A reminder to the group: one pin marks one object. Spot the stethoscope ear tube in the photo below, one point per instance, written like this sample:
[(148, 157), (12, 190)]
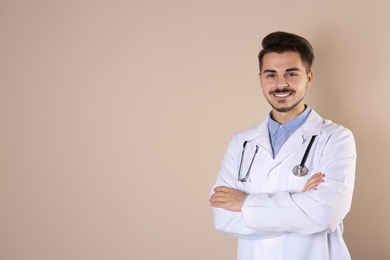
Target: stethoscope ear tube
[(301, 169)]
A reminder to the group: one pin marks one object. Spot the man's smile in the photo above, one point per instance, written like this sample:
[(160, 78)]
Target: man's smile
[(282, 94)]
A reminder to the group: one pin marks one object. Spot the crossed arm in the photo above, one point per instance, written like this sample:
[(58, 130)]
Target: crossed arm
[(232, 199)]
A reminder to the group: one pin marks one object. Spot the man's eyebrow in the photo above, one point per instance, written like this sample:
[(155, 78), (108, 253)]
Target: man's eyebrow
[(269, 71), (292, 69), (287, 70)]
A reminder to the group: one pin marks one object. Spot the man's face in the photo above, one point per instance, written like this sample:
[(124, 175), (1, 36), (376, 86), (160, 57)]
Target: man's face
[(284, 80)]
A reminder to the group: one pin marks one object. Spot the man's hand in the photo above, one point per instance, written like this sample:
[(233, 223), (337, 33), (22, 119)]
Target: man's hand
[(227, 198), (314, 181)]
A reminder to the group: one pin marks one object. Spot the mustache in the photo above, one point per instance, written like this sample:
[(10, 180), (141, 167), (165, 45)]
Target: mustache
[(283, 90)]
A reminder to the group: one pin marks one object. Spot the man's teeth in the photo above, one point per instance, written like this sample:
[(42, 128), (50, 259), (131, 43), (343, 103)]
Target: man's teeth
[(282, 94)]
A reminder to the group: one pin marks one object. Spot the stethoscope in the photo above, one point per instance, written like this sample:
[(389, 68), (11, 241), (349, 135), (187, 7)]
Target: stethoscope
[(246, 178), (299, 170)]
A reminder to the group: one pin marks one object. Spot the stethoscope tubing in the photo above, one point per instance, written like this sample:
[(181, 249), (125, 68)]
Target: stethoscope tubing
[(250, 166), (301, 170), (302, 164)]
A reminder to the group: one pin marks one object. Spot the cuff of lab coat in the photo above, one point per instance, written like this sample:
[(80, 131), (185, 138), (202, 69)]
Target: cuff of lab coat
[(246, 212)]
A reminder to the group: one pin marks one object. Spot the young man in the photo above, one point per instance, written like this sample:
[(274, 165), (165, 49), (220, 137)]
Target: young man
[(286, 185)]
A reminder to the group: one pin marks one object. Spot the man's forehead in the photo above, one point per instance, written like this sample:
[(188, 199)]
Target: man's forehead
[(284, 61), (276, 56)]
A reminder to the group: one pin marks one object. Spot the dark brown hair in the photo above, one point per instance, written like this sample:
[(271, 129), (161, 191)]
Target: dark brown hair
[(280, 42)]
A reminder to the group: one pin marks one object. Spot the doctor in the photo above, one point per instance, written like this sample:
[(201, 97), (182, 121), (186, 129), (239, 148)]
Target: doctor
[(277, 212)]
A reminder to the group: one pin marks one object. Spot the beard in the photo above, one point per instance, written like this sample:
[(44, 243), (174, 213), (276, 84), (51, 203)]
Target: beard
[(286, 109)]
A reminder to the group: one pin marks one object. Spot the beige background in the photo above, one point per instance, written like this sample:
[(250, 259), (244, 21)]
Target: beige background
[(115, 116)]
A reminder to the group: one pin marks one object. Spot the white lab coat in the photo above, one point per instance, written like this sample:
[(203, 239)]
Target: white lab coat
[(279, 221)]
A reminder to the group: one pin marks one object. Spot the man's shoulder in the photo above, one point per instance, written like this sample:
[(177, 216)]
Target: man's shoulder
[(330, 127), (326, 126), (256, 132)]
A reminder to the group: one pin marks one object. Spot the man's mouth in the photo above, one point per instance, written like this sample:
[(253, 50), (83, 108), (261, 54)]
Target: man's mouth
[(282, 94)]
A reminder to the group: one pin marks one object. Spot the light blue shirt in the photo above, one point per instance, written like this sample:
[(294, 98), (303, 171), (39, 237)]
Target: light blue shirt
[(279, 133)]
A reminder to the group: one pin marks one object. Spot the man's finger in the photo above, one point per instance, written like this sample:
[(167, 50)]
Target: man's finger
[(215, 197), (221, 189)]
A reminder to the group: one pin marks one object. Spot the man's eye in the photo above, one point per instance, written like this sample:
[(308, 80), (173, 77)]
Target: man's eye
[(291, 74), (270, 76)]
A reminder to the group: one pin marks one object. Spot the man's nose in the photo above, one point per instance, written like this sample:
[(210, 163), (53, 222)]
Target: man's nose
[(281, 83)]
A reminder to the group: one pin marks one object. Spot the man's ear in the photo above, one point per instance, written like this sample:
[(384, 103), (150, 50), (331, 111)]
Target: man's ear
[(310, 78)]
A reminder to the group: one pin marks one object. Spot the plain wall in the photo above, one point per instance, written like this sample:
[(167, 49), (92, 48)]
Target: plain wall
[(114, 117)]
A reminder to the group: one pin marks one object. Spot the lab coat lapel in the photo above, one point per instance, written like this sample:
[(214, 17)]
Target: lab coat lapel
[(300, 137), (291, 145), (261, 137)]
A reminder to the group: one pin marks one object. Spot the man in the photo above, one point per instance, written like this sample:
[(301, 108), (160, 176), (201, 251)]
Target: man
[(286, 185)]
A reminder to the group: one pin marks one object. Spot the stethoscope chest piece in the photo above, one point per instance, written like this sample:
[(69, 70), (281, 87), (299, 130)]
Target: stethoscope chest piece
[(300, 171)]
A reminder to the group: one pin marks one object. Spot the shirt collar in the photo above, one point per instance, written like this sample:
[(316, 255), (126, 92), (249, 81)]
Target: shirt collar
[(290, 126)]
